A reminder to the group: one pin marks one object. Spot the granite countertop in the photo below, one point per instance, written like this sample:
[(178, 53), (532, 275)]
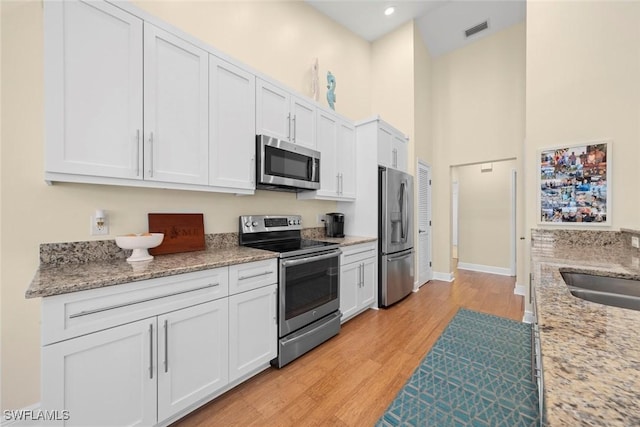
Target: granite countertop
[(57, 278), (590, 351)]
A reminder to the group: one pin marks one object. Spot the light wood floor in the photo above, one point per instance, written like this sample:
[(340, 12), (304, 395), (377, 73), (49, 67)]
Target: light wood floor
[(352, 378)]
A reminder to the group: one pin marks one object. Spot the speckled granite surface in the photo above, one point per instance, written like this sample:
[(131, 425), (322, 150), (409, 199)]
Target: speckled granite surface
[(590, 351), (77, 266)]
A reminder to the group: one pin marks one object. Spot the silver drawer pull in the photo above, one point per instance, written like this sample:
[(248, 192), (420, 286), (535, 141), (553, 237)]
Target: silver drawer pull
[(111, 307), (358, 253), (264, 273)]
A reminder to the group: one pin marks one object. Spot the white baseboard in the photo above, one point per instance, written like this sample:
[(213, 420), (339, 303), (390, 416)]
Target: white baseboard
[(484, 268), (528, 317), (445, 277), (520, 290)]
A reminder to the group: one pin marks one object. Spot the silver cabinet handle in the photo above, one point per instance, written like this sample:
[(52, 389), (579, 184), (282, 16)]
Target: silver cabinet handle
[(166, 345), (337, 183), (138, 152), (341, 183), (362, 275), (252, 169), (295, 131), (111, 307), (275, 311), (289, 127), (251, 276), (151, 155), (151, 351)]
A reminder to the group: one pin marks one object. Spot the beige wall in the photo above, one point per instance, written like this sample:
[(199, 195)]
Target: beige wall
[(423, 104), (583, 84), (484, 235), (478, 116), (583, 63), (392, 85), (279, 39)]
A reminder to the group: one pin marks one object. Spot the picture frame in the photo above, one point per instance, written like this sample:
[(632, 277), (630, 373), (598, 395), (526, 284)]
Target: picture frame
[(573, 184)]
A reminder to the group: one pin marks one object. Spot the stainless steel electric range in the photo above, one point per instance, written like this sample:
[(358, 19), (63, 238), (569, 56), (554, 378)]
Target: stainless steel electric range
[(308, 282)]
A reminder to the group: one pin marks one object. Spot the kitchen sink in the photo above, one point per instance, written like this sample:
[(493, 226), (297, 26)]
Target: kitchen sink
[(613, 291)]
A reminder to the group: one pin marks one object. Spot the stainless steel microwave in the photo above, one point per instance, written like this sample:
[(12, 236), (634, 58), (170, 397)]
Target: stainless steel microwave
[(281, 165)]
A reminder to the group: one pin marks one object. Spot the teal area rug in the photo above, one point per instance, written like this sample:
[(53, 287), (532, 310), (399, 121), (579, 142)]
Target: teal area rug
[(478, 373)]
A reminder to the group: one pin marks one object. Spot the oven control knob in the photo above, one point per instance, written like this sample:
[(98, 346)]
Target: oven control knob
[(254, 223), (297, 221), (291, 222), (247, 224)]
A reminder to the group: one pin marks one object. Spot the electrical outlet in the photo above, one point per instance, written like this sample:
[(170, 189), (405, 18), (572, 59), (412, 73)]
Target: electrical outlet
[(320, 219), (635, 241), (94, 230), (635, 262)]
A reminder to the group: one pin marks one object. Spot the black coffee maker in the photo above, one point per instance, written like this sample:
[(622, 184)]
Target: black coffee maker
[(334, 224)]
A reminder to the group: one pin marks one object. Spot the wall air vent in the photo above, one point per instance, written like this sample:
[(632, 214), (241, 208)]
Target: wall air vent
[(476, 29)]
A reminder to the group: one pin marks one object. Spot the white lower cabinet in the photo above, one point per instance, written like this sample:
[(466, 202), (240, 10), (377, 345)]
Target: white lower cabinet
[(148, 352), (358, 279), (192, 355), (105, 378), (253, 330)]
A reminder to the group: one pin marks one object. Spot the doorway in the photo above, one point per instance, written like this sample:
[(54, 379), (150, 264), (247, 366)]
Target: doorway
[(483, 217)]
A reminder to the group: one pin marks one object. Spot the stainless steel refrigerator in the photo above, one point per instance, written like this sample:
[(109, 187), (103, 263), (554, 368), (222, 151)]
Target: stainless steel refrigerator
[(395, 232)]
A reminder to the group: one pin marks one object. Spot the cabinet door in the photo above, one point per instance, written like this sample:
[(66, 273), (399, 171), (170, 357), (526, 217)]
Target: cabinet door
[(176, 109), (273, 116), (399, 152), (105, 378), (192, 355), (253, 330), (327, 139), (385, 139), (93, 84), (369, 285), (349, 289), (232, 138), (304, 122), (346, 159)]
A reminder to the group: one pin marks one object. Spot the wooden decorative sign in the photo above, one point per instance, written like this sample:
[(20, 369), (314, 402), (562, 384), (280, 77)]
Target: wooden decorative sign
[(182, 232)]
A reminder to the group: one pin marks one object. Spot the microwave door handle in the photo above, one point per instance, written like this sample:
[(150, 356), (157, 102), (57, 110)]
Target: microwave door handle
[(314, 169)]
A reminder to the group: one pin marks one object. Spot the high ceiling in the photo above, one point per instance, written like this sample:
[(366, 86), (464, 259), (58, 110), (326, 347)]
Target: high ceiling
[(442, 23)]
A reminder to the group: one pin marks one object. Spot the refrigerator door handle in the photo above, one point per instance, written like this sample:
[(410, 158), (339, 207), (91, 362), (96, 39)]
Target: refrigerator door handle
[(406, 212), (402, 210), (408, 254)]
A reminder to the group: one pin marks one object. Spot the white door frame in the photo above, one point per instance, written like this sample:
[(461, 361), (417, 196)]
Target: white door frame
[(420, 164), (514, 204)]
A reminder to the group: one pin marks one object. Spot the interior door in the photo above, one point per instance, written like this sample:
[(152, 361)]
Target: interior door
[(425, 270)]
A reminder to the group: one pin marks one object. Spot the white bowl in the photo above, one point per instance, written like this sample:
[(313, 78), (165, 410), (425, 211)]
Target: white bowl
[(140, 245)]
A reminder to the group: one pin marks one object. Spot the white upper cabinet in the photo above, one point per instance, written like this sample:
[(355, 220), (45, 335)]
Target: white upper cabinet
[(284, 116), (303, 119), (392, 147), (232, 137), (337, 145), (176, 114), (93, 86)]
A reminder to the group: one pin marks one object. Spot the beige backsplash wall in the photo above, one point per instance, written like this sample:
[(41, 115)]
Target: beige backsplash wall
[(279, 39)]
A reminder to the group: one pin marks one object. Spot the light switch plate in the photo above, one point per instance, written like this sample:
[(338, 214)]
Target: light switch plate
[(635, 241)]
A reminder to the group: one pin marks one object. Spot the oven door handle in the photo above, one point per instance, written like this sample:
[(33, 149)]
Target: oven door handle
[(294, 262)]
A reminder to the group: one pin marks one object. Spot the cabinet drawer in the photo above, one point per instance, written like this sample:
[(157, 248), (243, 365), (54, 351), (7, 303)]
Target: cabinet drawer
[(358, 253), (252, 275), (71, 315)]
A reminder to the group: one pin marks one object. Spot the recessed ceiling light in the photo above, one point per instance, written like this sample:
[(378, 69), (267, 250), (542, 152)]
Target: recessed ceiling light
[(389, 10)]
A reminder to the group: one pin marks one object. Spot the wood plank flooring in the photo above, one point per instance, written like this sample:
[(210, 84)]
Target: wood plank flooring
[(352, 378)]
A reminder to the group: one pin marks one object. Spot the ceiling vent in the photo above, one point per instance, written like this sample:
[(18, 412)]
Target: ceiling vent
[(476, 29)]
